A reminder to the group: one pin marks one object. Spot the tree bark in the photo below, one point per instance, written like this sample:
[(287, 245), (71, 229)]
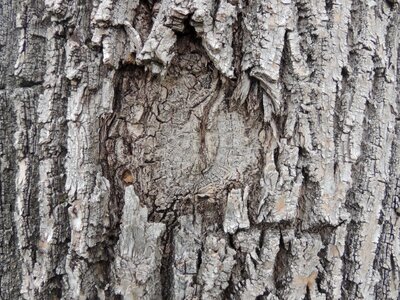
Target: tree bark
[(198, 149)]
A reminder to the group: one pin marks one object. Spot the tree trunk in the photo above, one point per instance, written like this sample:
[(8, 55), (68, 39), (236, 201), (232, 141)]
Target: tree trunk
[(198, 149)]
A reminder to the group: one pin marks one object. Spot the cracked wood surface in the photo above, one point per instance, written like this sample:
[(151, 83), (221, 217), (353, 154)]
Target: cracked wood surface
[(199, 149)]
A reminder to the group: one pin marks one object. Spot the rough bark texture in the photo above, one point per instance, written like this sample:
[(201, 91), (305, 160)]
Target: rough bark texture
[(198, 149)]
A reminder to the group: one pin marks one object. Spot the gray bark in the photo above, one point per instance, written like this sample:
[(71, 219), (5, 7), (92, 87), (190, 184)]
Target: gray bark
[(198, 149)]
